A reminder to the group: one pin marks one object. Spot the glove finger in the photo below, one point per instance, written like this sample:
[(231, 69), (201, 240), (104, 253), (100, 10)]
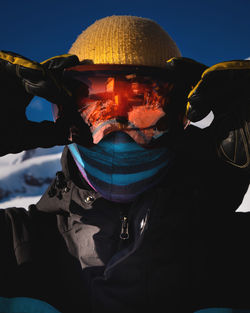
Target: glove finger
[(221, 89), (60, 62), (56, 66), (48, 88), (45, 134), (30, 73), (15, 99), (11, 61), (185, 73), (46, 80), (198, 105), (185, 70), (79, 131), (212, 92), (27, 135), (21, 67)]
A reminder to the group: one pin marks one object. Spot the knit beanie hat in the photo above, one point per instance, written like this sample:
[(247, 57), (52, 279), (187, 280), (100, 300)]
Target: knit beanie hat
[(127, 40)]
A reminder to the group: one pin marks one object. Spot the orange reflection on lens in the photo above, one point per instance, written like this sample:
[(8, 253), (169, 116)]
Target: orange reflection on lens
[(109, 98)]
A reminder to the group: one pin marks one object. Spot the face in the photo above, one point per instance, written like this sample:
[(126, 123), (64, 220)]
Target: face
[(126, 109)]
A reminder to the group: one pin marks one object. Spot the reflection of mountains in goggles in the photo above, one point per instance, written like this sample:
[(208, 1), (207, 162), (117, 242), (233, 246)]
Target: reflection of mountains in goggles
[(123, 98)]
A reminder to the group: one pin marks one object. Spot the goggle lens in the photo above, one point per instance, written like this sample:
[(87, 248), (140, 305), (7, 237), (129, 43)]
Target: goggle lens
[(122, 101)]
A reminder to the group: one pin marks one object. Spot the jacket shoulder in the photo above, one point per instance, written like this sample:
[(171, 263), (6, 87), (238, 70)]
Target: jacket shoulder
[(11, 217), (14, 212), (15, 232), (14, 217)]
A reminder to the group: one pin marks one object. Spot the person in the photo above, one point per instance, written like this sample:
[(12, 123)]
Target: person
[(142, 217)]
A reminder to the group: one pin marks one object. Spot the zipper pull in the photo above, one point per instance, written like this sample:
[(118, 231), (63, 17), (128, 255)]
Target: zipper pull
[(124, 235)]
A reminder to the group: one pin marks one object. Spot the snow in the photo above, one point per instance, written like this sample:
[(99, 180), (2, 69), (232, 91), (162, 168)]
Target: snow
[(22, 202), (245, 205), (19, 157), (32, 165), (205, 122), (25, 176)]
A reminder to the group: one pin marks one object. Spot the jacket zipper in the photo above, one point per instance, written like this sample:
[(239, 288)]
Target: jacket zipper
[(124, 235)]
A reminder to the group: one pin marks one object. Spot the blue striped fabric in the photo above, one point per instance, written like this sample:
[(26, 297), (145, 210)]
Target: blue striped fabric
[(222, 310), (25, 305), (119, 168)]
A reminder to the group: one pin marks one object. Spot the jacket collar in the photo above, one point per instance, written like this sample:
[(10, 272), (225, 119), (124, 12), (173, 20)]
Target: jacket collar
[(67, 186)]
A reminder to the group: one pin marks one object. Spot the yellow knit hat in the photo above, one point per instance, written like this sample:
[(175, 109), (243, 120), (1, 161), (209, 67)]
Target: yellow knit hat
[(125, 40)]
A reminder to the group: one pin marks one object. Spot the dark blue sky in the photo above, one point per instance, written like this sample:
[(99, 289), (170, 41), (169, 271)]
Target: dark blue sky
[(207, 31)]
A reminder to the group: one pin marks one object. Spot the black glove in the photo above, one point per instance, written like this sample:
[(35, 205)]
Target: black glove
[(225, 89), (183, 74), (20, 80)]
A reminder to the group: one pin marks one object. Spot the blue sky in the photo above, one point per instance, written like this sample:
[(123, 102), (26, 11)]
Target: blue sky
[(207, 31)]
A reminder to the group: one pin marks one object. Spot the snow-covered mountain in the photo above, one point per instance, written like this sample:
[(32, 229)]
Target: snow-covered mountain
[(25, 176)]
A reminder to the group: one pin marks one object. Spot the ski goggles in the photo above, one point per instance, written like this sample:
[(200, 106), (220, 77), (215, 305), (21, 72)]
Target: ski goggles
[(131, 99)]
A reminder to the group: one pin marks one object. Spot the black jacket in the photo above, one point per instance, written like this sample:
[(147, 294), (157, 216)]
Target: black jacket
[(187, 247)]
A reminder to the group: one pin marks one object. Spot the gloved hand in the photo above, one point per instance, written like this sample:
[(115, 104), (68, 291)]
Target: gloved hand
[(20, 80), (183, 74), (225, 89)]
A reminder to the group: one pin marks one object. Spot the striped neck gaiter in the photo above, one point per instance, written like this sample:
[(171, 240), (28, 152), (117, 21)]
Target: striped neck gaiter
[(120, 169)]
